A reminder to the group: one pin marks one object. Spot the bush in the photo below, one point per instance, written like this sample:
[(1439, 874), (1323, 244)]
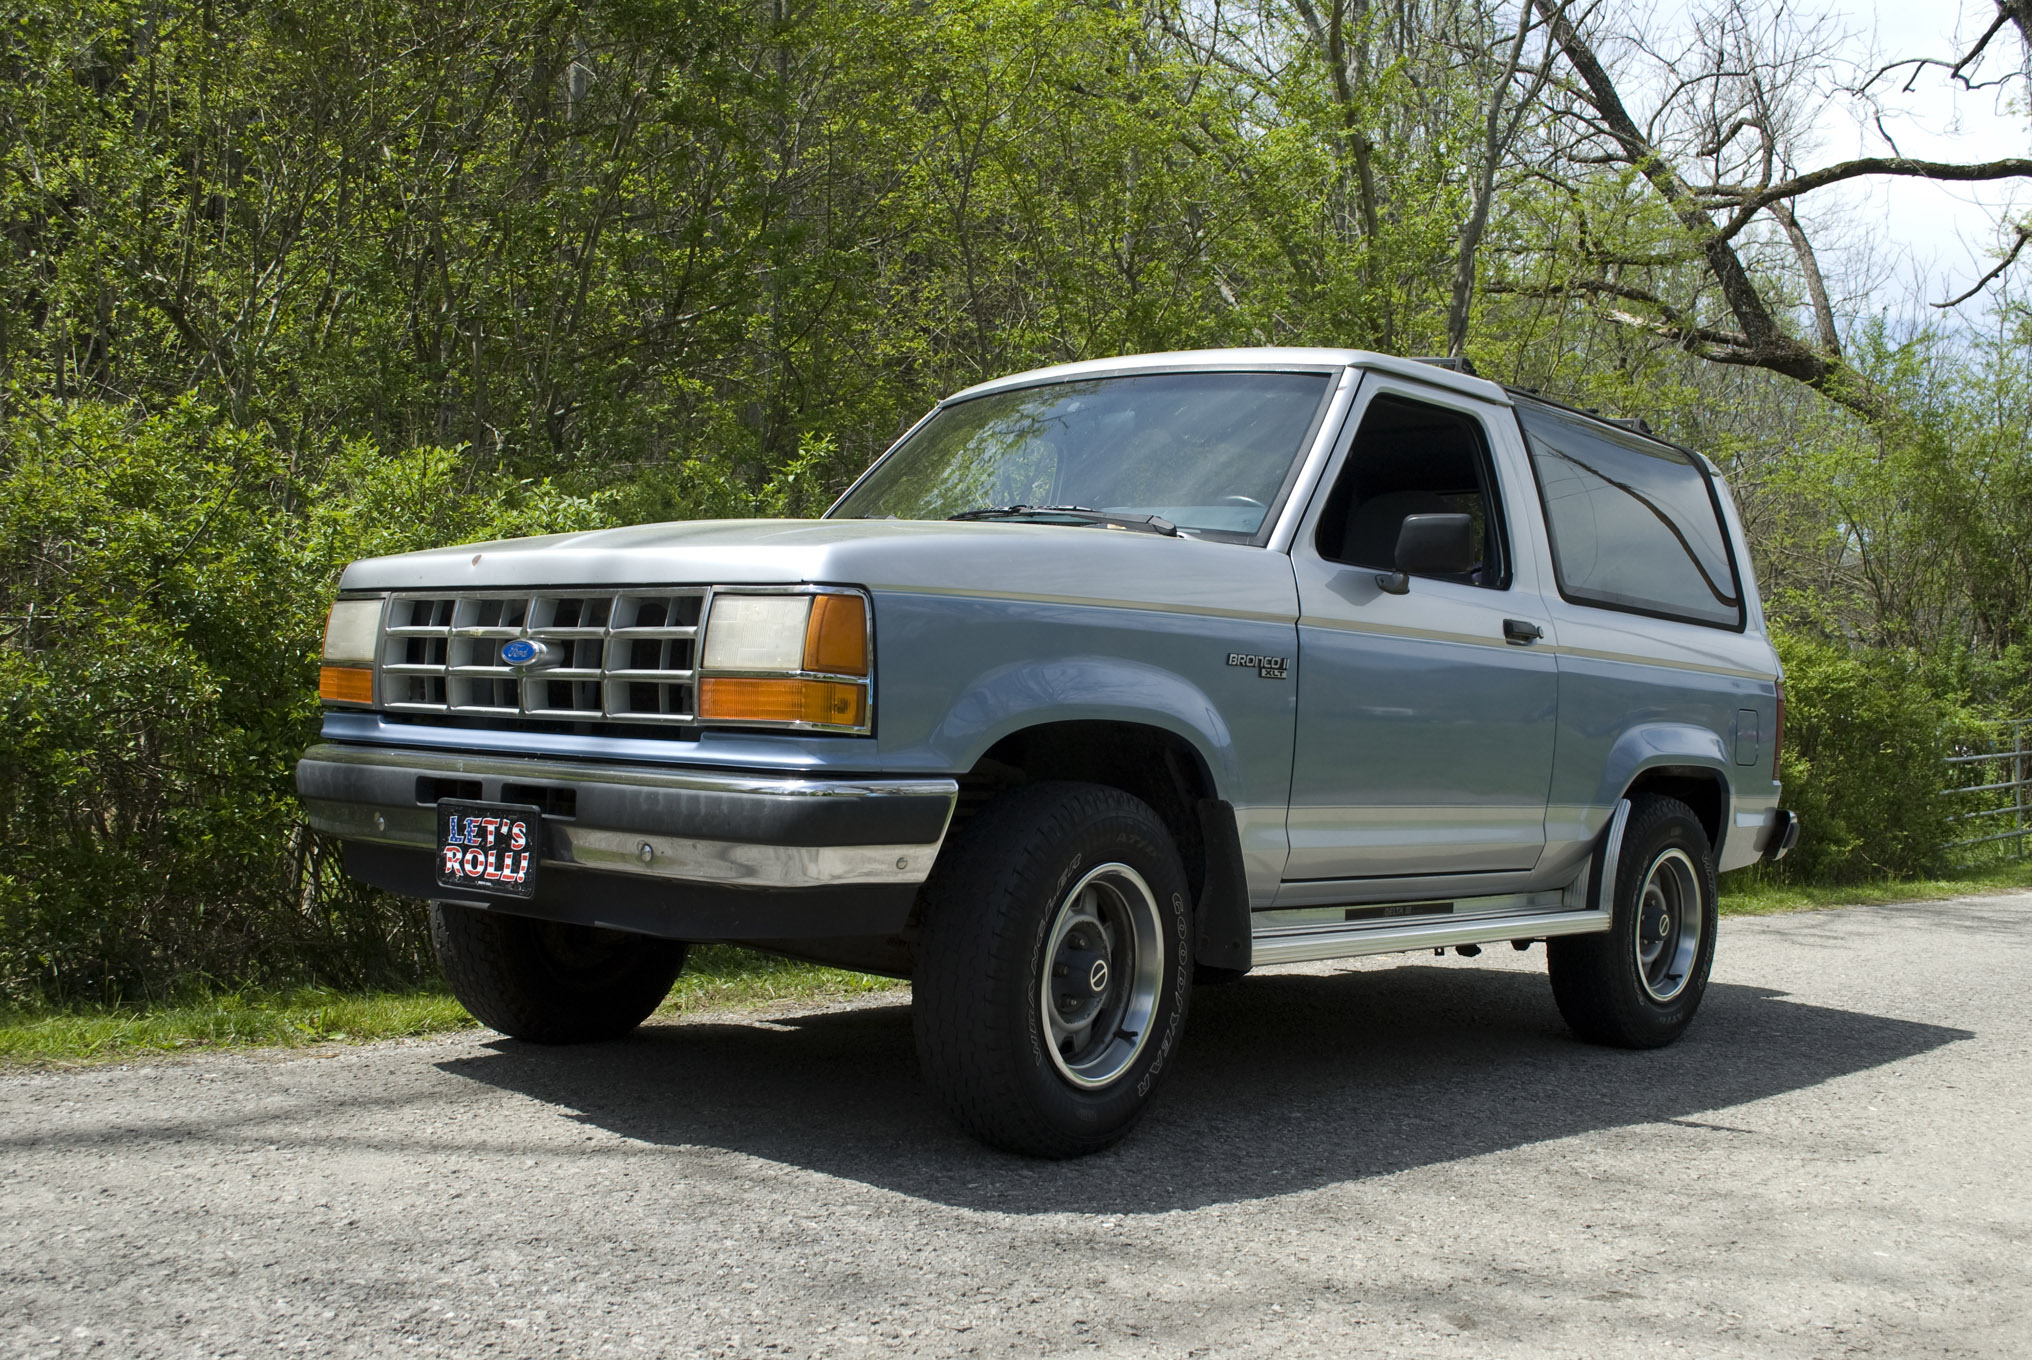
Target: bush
[(1864, 736), (163, 583)]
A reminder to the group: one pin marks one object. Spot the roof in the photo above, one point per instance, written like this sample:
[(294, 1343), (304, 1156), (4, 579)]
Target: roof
[(1274, 358), (1264, 358)]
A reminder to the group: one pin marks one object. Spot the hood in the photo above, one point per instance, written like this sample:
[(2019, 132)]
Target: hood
[(1061, 562)]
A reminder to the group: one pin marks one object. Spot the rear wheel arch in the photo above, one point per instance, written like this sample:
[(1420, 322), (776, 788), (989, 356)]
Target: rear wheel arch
[(1639, 983), (1703, 790)]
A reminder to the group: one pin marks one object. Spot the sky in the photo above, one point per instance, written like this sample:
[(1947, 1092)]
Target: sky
[(1912, 241)]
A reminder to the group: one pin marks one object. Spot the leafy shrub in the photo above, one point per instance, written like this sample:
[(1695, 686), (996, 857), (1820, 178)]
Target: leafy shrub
[(163, 583), (1864, 735)]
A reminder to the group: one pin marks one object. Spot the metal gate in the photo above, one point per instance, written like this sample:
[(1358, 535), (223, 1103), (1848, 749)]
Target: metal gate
[(1987, 779)]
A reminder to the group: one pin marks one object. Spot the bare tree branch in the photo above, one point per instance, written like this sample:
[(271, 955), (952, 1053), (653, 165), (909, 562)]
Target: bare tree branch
[(1816, 286), (2010, 257), (1737, 289), (2018, 12), (2003, 17), (1671, 325), (1754, 201), (1762, 342)]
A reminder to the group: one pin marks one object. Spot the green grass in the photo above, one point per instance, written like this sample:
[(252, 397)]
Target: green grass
[(1747, 895), (716, 978), (288, 1019), (720, 977)]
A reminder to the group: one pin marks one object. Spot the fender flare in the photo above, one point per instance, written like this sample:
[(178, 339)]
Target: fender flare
[(1673, 746), (1008, 699)]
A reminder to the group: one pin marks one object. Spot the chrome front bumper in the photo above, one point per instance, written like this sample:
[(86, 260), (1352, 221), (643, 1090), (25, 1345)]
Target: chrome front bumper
[(676, 826)]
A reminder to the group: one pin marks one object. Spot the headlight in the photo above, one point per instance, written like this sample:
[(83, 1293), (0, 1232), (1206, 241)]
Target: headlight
[(351, 631), (757, 632), (790, 659)]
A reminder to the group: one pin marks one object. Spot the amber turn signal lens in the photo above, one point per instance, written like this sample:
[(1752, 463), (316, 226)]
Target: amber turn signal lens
[(741, 699), (836, 638), (346, 684)]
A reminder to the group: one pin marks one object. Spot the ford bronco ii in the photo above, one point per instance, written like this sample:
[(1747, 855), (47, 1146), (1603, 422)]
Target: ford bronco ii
[(1105, 679)]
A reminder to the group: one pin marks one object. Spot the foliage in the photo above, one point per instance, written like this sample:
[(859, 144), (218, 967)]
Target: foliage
[(1761, 892), (162, 606), (1864, 737)]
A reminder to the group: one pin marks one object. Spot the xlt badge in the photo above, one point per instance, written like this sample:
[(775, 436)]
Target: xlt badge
[(1269, 667)]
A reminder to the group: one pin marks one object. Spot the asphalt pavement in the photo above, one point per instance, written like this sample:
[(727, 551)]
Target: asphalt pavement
[(1407, 1156)]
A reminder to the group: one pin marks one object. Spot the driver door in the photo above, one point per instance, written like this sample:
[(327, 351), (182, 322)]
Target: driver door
[(1425, 719)]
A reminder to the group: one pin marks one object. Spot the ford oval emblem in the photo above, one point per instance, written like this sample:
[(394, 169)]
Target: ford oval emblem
[(521, 652)]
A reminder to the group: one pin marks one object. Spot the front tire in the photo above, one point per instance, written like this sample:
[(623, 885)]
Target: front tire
[(548, 982), (1053, 969), (1638, 984)]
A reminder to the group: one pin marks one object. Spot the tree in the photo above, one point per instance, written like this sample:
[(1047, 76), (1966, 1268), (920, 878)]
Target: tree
[(1719, 152), (1503, 121)]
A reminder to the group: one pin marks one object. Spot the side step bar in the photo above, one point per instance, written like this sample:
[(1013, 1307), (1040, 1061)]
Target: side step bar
[(1582, 907), (1313, 945)]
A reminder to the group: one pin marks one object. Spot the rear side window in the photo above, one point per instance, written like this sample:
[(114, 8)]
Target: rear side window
[(1635, 525)]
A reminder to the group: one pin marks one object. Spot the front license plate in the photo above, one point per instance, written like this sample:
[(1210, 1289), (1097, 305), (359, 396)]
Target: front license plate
[(491, 848)]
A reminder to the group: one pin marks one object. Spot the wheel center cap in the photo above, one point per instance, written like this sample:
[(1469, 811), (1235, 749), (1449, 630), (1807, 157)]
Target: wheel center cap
[(1083, 977)]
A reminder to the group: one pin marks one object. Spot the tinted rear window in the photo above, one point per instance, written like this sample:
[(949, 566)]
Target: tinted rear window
[(1635, 525)]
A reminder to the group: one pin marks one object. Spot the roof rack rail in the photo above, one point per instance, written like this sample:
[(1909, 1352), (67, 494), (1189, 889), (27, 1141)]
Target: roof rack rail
[(1458, 363), (1634, 424)]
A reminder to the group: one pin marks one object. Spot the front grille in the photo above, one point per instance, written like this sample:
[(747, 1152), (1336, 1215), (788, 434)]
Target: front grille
[(626, 655)]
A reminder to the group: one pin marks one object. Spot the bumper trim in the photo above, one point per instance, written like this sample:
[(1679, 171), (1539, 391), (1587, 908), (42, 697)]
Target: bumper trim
[(685, 826), (673, 911), (1782, 835)]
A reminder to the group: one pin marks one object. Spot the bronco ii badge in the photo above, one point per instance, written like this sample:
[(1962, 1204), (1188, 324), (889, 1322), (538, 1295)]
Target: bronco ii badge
[(1269, 667)]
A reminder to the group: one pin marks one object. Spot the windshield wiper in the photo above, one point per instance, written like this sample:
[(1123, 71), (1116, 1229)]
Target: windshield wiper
[(1073, 514)]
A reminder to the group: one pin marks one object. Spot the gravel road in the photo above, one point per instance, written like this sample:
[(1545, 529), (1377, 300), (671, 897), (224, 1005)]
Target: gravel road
[(1404, 1156)]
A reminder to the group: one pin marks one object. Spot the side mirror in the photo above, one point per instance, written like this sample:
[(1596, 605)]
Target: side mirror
[(1431, 545)]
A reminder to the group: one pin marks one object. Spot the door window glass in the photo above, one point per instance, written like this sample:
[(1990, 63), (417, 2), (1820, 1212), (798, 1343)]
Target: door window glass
[(1412, 458)]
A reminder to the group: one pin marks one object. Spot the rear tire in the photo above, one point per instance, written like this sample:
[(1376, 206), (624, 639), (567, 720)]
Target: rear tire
[(1638, 984), (547, 982), (1054, 968)]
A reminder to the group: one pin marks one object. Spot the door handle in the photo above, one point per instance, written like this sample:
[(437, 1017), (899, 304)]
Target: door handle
[(1521, 632)]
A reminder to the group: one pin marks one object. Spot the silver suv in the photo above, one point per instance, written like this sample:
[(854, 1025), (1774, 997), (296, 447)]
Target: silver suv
[(1104, 680)]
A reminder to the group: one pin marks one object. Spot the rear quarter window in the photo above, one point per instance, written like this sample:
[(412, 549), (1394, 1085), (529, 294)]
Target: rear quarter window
[(1635, 525)]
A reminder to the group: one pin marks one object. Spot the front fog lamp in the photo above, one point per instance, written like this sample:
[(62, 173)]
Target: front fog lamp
[(796, 660), (347, 675)]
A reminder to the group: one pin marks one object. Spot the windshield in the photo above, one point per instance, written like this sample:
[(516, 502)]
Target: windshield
[(1208, 452)]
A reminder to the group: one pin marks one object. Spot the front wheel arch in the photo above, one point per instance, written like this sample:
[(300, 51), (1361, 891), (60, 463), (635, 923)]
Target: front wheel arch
[(1161, 768)]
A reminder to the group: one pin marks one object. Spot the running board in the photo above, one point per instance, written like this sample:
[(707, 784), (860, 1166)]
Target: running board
[(1310, 934), (1310, 946)]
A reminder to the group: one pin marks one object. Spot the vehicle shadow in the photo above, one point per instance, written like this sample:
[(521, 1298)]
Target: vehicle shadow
[(1286, 1082)]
